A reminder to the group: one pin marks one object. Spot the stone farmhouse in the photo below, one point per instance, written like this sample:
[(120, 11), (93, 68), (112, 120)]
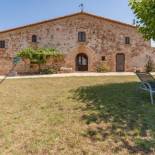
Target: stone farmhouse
[(86, 41)]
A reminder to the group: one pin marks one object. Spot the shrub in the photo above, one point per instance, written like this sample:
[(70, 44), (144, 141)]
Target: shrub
[(149, 65), (102, 67), (49, 71), (145, 144)]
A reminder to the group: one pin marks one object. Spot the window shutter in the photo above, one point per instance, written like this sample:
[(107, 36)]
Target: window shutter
[(81, 36)]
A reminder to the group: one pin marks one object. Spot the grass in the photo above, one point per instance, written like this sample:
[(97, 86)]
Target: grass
[(84, 116)]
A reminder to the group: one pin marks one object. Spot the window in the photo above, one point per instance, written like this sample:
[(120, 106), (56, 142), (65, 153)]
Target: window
[(34, 38), (127, 40), (103, 58), (2, 44), (81, 36)]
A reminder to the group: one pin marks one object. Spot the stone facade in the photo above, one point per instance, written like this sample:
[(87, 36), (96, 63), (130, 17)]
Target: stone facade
[(104, 38)]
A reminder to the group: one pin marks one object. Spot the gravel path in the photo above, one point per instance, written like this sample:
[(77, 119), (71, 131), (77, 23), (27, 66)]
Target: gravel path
[(77, 74)]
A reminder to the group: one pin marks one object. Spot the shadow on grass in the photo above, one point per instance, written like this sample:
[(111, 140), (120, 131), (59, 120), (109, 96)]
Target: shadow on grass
[(120, 112)]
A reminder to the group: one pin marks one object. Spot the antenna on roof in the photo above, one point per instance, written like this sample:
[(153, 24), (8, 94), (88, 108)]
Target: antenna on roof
[(81, 7)]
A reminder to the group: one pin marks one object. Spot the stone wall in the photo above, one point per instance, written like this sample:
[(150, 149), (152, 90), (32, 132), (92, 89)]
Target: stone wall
[(103, 38)]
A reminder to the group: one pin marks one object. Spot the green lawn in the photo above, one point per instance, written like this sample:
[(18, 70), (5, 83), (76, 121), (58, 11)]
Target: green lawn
[(76, 116)]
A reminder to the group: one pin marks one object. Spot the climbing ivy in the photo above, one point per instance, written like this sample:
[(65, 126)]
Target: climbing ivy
[(40, 56)]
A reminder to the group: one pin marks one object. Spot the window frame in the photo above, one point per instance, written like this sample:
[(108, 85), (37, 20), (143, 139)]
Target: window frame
[(127, 40), (34, 38), (2, 44), (82, 36)]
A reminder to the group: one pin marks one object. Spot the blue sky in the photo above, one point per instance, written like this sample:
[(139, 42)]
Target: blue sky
[(14, 13)]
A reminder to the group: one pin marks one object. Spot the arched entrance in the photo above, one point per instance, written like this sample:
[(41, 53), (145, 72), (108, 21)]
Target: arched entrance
[(81, 62), (120, 62)]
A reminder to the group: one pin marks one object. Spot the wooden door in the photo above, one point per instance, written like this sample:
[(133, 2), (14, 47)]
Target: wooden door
[(82, 62), (120, 62)]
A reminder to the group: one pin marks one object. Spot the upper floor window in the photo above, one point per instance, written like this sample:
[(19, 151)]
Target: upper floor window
[(2, 43), (81, 36), (127, 40), (34, 38)]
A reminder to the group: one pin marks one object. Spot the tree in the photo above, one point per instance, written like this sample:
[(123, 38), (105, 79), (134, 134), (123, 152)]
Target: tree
[(145, 13), (40, 56)]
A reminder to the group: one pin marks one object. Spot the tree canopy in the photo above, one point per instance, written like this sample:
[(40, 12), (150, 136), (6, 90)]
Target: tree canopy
[(145, 13)]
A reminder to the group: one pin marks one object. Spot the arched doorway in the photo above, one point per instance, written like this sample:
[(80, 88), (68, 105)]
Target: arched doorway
[(120, 62), (81, 62)]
